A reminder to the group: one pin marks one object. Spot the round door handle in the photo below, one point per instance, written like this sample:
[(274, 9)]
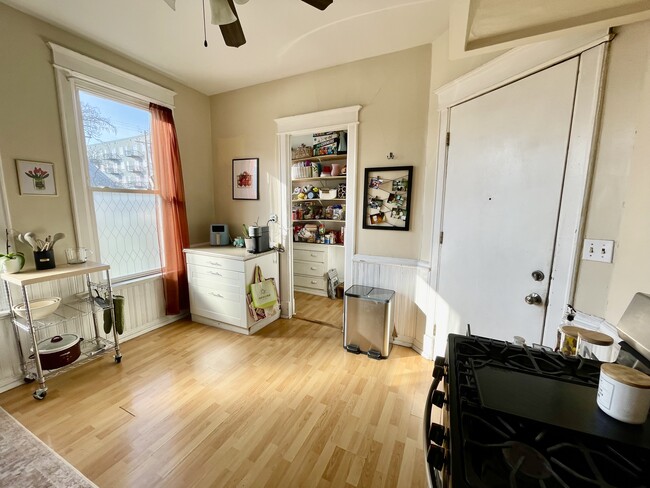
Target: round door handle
[(533, 299)]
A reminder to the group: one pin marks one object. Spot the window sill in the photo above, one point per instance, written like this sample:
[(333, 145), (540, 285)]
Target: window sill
[(128, 282)]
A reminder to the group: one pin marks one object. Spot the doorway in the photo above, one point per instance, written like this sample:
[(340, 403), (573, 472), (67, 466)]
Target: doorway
[(465, 296), (317, 156)]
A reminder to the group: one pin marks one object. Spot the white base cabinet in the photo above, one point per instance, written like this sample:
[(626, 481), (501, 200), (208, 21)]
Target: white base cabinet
[(310, 265), (219, 280)]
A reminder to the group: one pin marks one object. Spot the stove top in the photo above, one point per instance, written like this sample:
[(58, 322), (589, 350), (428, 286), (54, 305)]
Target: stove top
[(524, 434)]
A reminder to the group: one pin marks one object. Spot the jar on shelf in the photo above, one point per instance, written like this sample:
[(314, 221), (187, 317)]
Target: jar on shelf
[(568, 344), (595, 345)]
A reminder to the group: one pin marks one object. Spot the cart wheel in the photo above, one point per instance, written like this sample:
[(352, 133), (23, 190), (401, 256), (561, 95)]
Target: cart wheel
[(118, 359), (39, 394)]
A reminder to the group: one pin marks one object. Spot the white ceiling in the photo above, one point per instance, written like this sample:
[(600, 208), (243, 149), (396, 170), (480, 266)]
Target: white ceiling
[(284, 37)]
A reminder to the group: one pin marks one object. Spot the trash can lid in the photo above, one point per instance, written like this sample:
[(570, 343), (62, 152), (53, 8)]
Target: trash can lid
[(370, 293)]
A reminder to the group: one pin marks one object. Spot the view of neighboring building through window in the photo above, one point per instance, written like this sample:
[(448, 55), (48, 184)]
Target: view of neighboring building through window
[(122, 184)]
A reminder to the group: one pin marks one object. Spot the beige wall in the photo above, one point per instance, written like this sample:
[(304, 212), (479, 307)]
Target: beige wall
[(30, 126), (393, 91), (631, 270), (620, 135)]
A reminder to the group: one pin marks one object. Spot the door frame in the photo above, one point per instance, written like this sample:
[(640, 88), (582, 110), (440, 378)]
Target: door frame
[(345, 118), (508, 68)]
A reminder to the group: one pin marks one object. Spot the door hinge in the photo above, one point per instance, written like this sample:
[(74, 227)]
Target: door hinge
[(442, 236), (448, 137)]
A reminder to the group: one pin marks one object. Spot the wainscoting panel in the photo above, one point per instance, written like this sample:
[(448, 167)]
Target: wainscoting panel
[(144, 311), (405, 277)]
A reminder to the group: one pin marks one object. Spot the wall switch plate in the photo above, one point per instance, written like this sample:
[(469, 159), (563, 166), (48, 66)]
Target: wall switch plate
[(598, 250)]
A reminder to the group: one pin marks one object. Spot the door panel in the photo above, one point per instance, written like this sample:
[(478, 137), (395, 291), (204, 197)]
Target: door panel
[(504, 175)]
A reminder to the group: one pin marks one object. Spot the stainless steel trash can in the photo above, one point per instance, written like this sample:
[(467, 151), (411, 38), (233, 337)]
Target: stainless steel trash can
[(368, 320)]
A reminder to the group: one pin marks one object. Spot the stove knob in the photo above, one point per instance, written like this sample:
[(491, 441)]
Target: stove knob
[(437, 434), (438, 398), (438, 372), (436, 457)]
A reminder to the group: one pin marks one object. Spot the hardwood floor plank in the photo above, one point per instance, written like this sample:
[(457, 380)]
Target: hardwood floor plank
[(194, 406)]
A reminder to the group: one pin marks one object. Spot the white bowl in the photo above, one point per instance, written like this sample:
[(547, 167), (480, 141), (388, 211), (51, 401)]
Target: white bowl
[(40, 308)]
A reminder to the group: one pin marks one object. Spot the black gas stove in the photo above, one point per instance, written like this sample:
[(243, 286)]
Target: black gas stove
[(518, 417)]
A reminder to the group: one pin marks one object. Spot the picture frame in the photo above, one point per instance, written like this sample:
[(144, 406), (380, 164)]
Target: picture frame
[(245, 179), (387, 198), (35, 178)]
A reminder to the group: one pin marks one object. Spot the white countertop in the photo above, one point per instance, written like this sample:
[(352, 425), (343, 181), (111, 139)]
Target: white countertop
[(228, 252)]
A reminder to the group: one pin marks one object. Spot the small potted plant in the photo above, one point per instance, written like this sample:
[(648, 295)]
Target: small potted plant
[(11, 262)]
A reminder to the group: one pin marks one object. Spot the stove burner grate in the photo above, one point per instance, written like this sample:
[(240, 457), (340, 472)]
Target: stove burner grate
[(502, 451)]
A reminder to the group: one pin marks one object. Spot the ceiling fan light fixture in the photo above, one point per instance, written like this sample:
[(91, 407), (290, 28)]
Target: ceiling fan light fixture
[(222, 14), (241, 2)]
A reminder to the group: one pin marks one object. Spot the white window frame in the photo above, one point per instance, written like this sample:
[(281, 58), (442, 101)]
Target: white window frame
[(74, 71), (5, 223)]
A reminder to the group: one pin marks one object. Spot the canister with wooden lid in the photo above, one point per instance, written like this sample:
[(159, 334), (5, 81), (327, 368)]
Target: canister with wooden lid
[(595, 345), (624, 393)]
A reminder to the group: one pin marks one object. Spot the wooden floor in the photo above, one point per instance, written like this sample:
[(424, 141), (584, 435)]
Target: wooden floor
[(321, 310), (191, 405)]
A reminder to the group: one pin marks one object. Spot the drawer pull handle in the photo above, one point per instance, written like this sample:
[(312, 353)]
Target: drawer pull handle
[(216, 294), (313, 282), (216, 263), (313, 255), (216, 273), (313, 268)]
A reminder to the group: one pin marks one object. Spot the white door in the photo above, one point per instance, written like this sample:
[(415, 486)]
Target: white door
[(505, 170)]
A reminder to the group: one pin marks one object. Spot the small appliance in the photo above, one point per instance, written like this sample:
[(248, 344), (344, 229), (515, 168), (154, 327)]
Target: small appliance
[(219, 235), (260, 236)]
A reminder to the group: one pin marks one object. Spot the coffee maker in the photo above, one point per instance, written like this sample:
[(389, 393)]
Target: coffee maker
[(260, 236)]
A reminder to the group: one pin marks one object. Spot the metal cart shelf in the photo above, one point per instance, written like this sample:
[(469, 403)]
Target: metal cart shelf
[(90, 348)]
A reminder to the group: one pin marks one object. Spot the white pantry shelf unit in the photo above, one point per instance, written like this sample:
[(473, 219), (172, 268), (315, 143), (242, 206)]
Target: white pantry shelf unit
[(67, 312)]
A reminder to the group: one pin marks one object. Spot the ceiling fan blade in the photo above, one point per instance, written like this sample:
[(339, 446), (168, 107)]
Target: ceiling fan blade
[(171, 3), (232, 33), (319, 4)]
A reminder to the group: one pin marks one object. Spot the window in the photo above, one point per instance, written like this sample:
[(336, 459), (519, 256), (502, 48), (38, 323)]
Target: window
[(121, 182), (106, 121)]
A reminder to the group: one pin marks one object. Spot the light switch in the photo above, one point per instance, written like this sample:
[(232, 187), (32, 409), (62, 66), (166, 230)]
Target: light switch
[(598, 250)]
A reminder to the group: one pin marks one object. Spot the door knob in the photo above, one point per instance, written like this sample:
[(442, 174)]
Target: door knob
[(533, 299)]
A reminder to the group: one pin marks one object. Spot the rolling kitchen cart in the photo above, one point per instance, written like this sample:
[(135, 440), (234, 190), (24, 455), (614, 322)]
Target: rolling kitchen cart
[(368, 321), (65, 313)]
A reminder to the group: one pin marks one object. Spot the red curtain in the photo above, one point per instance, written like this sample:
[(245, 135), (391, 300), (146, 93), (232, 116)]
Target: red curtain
[(175, 234)]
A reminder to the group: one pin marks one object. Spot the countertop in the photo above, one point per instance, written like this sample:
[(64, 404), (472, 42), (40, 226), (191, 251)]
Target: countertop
[(228, 252)]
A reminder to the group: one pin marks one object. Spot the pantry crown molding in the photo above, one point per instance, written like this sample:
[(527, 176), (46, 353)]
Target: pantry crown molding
[(318, 121)]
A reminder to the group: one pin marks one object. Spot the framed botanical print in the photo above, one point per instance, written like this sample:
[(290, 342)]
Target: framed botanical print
[(35, 178), (387, 198), (245, 179)]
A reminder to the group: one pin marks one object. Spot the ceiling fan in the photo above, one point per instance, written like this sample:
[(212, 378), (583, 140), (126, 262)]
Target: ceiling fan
[(224, 14)]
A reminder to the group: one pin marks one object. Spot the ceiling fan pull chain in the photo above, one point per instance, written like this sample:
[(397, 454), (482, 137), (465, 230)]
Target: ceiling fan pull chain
[(205, 35)]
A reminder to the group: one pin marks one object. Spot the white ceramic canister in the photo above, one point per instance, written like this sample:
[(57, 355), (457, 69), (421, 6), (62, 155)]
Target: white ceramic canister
[(624, 393)]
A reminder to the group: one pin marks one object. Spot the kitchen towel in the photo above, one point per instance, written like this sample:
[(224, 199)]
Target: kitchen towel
[(118, 305)]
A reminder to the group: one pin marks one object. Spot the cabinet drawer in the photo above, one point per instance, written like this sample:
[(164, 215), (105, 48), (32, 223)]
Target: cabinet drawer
[(218, 305), (310, 269), (311, 256), (215, 278), (215, 262), (313, 282)]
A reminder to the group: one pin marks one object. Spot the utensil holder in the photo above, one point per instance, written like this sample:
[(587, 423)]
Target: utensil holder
[(44, 259)]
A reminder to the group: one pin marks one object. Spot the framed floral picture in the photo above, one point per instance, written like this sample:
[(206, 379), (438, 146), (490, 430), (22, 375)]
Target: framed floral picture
[(35, 178), (245, 179), (387, 198)]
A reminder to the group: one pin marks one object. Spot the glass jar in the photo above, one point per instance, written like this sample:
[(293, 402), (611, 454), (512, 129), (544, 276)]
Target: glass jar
[(569, 339), (595, 345)]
